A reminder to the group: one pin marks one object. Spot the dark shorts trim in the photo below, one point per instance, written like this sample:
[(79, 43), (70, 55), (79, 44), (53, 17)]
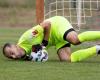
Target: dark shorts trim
[(66, 33), (66, 45)]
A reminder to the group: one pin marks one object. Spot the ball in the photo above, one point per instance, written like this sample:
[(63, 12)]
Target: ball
[(40, 56)]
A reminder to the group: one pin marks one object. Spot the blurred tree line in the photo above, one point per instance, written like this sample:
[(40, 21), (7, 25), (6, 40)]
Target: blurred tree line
[(17, 3), (17, 13)]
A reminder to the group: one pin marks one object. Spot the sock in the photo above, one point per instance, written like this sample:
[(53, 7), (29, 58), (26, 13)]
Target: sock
[(83, 54), (89, 36), (98, 49)]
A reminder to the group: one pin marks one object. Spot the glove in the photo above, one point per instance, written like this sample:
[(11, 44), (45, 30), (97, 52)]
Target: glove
[(26, 57), (44, 43), (36, 48)]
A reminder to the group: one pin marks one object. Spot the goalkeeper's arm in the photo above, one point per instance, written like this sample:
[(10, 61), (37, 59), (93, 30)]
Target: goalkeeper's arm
[(46, 25)]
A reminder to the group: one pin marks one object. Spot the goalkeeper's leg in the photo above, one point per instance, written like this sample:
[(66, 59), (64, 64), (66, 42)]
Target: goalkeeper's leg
[(84, 53), (65, 53), (75, 38), (89, 36)]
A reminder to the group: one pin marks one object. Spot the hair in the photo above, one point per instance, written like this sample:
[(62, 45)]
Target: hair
[(6, 45)]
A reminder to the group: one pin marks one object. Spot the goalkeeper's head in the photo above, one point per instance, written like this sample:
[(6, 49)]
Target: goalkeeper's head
[(13, 51)]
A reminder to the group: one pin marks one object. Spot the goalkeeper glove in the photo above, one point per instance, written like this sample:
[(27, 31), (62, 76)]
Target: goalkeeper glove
[(44, 43), (36, 48)]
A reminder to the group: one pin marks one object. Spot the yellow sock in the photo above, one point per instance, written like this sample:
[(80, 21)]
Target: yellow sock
[(89, 36), (83, 54)]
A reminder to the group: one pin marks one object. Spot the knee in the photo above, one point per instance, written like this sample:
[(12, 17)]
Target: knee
[(72, 37), (75, 42)]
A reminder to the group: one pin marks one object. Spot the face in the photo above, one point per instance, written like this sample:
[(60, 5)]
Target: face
[(13, 52)]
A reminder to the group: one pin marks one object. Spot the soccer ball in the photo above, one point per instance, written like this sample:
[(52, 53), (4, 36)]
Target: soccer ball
[(40, 56)]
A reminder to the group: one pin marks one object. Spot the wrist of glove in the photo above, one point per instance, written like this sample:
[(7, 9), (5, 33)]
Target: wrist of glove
[(44, 43), (26, 57)]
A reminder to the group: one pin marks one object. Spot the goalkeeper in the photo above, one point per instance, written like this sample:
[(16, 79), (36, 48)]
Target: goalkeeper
[(55, 31)]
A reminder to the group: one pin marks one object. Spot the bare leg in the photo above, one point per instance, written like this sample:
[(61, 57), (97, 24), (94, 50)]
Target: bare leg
[(64, 54), (72, 37)]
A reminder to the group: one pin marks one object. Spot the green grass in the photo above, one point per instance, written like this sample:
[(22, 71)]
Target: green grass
[(50, 70)]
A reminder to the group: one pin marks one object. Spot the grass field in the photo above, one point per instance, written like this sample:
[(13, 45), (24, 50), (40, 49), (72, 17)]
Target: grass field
[(50, 70), (14, 13)]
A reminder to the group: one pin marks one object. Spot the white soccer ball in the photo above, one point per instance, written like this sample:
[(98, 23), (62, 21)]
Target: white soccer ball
[(40, 56)]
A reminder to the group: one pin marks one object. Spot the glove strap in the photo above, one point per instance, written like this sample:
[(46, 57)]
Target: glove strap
[(44, 43)]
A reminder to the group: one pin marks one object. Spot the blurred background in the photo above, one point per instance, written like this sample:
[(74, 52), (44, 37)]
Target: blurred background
[(21, 13), (81, 13), (17, 13)]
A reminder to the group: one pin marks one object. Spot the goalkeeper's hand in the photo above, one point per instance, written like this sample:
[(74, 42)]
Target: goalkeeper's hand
[(44, 43), (36, 48)]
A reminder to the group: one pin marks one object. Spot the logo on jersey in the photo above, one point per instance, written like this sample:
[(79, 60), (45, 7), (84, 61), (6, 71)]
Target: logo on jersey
[(34, 33)]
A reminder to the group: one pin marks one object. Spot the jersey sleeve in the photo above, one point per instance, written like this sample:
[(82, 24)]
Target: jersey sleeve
[(31, 37)]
